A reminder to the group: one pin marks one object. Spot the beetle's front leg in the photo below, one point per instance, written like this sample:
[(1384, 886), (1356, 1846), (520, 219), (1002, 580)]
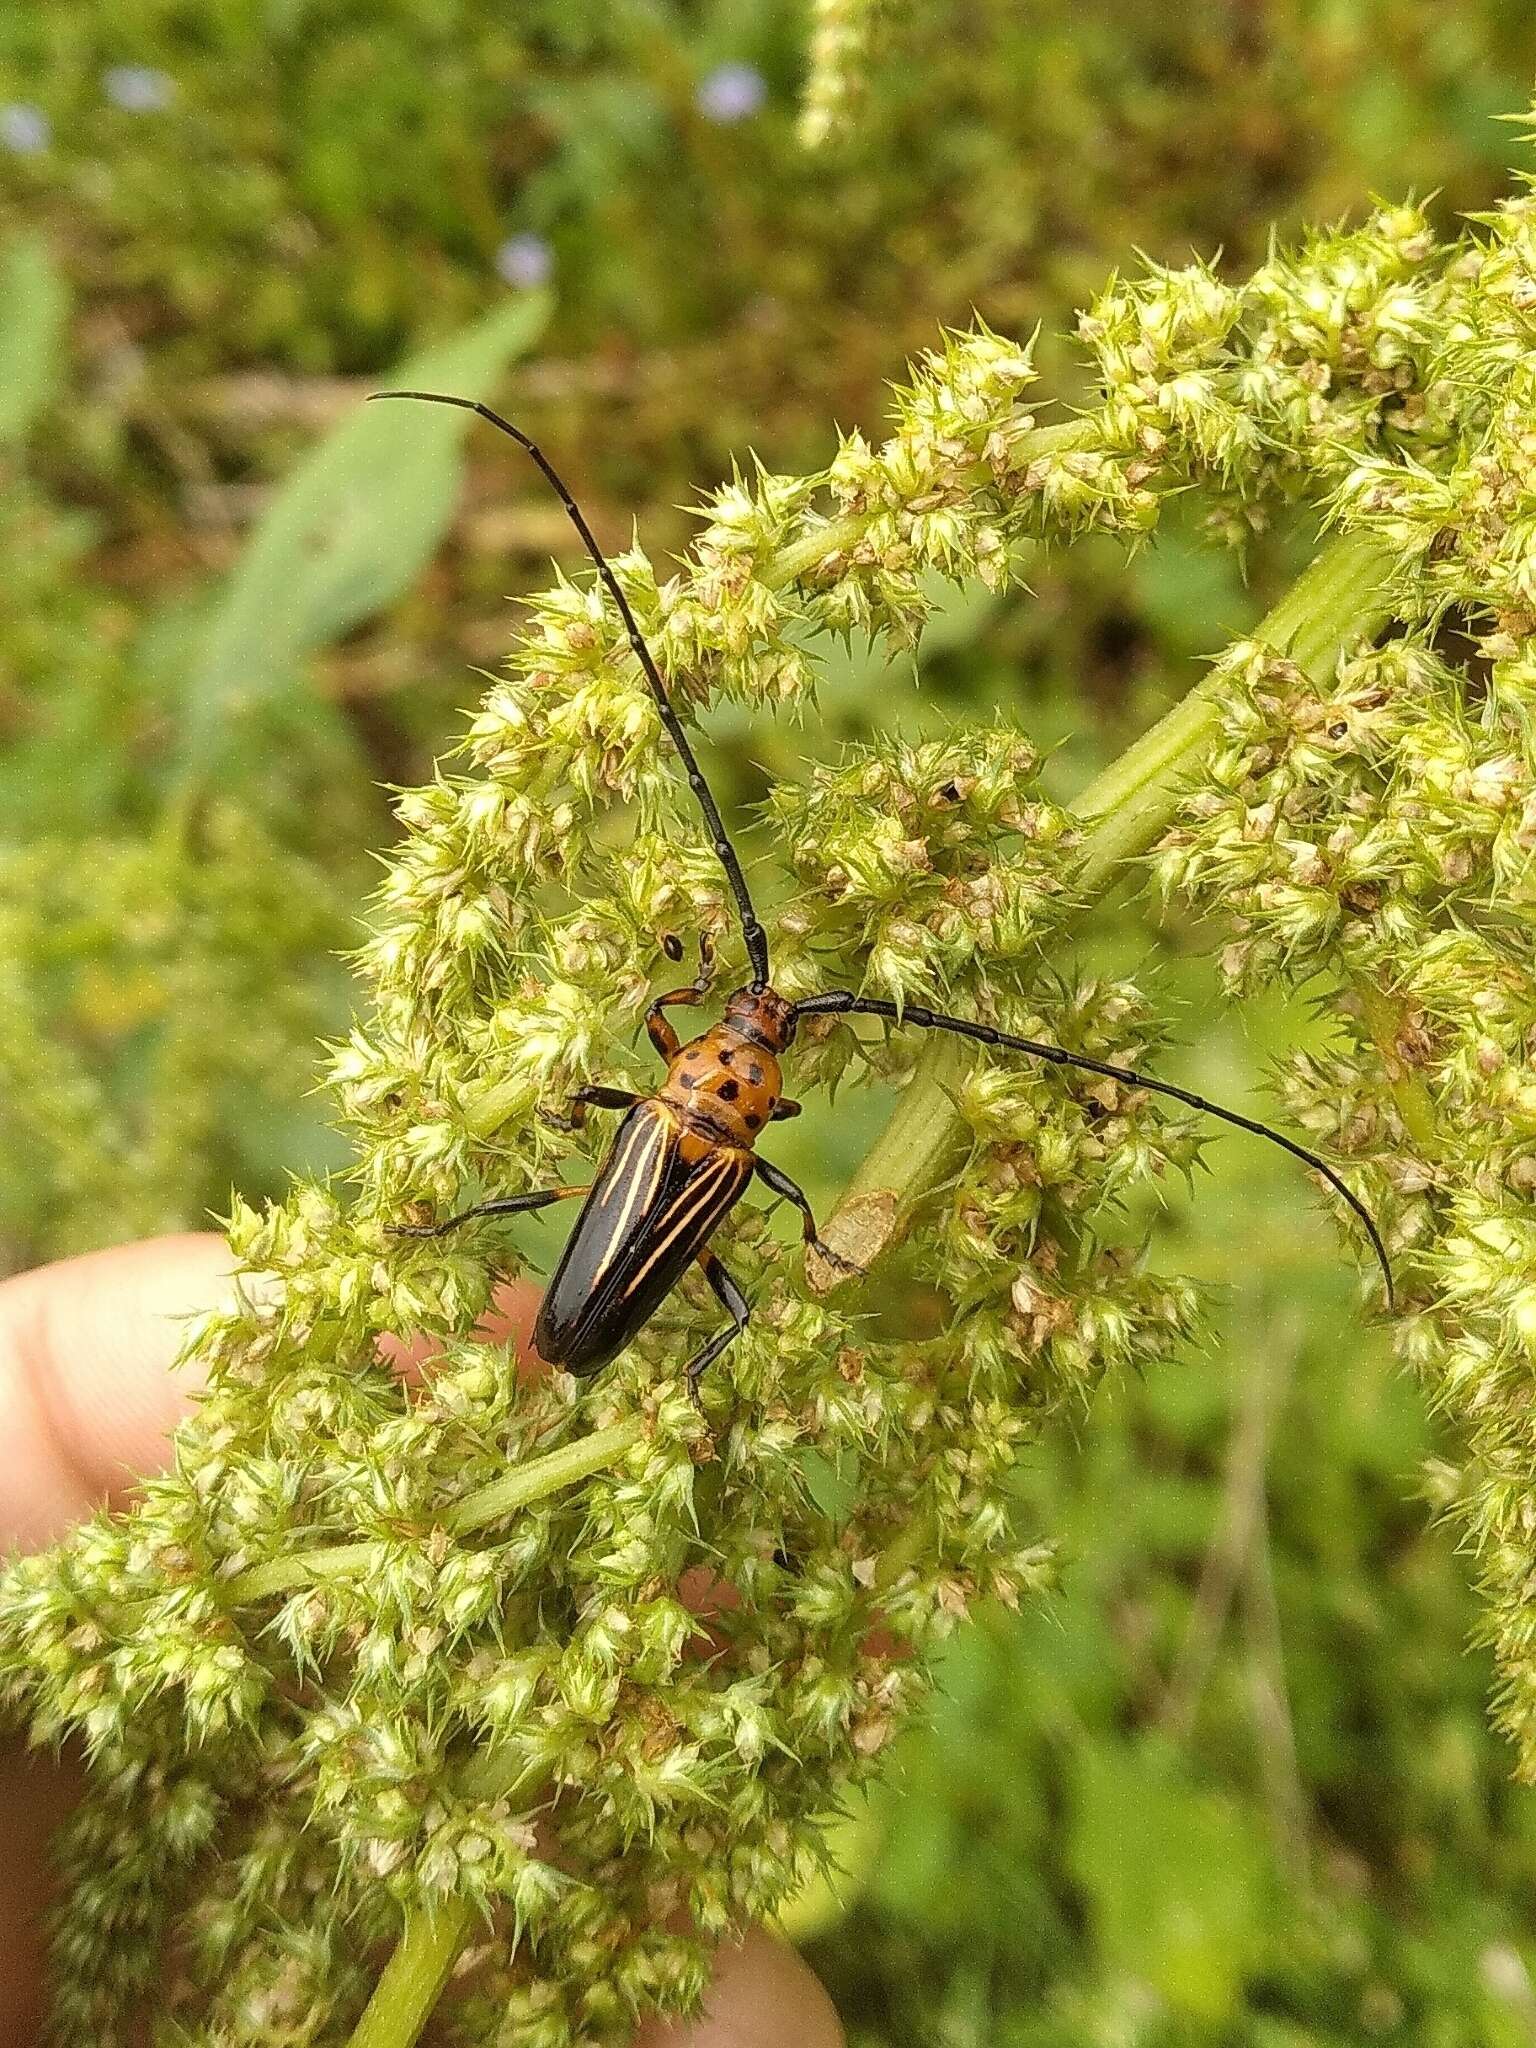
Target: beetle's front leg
[(776, 1178), (574, 1116), (660, 1032), (734, 1302)]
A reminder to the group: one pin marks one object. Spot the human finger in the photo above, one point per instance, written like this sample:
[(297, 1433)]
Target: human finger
[(88, 1397), (761, 1995)]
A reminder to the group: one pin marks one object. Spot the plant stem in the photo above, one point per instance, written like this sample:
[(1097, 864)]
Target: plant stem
[(519, 1488), (923, 1141), (413, 1978), (552, 1473), (1341, 596), (289, 1574), (792, 561)]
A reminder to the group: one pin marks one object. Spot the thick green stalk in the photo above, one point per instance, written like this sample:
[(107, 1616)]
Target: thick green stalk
[(1342, 595), (923, 1141), (414, 1976), (550, 1474)]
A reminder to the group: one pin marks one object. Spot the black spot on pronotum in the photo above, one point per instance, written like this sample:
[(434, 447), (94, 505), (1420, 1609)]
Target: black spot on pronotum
[(728, 1091)]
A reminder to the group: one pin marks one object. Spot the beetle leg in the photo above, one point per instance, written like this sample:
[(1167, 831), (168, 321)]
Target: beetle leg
[(509, 1205), (574, 1116), (661, 1033), (783, 1108), (776, 1178), (735, 1305)]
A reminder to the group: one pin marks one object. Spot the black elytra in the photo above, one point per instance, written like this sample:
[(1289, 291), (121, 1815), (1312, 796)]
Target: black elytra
[(682, 1158)]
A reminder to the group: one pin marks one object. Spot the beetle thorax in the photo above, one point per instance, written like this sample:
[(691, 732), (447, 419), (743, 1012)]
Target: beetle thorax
[(724, 1085)]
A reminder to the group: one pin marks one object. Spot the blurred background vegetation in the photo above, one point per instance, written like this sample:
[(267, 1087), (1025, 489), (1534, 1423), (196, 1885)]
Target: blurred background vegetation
[(1234, 1785)]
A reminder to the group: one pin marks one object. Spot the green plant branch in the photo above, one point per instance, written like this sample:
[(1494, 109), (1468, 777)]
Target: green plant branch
[(413, 1978), (433, 1937), (822, 544), (519, 1488), (1337, 598), (1340, 597)]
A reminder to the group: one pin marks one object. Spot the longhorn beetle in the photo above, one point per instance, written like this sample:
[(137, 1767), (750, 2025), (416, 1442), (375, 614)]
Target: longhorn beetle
[(682, 1158)]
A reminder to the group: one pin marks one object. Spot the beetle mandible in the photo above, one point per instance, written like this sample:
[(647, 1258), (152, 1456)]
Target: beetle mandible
[(681, 1159)]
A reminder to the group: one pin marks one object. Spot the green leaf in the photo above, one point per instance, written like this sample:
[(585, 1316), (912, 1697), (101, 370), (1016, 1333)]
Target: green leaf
[(34, 310), (833, 1487), (349, 530)]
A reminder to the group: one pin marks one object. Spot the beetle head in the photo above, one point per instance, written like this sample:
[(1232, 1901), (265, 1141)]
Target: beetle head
[(761, 1016)]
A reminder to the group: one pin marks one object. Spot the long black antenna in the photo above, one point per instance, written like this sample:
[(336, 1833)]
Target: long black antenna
[(838, 1001), (753, 935)]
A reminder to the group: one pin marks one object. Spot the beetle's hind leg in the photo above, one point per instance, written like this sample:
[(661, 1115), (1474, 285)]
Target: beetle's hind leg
[(509, 1205), (734, 1302), (574, 1116), (778, 1180)]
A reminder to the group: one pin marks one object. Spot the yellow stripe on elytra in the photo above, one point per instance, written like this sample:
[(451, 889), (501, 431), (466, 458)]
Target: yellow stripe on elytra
[(639, 1134), (639, 1192), (722, 1174)]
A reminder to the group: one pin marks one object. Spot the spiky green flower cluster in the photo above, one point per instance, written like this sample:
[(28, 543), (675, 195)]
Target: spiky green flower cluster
[(383, 1656)]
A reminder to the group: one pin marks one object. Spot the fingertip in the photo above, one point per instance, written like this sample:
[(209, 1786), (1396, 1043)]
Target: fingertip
[(88, 1397), (509, 1320), (761, 1995)]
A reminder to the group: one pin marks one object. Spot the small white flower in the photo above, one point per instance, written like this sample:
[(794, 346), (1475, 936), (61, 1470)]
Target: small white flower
[(24, 130), (138, 88), (525, 260), (731, 92)]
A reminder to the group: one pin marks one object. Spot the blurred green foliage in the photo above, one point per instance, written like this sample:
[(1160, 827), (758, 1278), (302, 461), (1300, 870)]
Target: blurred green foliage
[(1236, 1786)]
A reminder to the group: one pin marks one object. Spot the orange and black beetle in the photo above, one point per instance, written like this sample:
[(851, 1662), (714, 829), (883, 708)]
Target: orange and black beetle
[(682, 1158)]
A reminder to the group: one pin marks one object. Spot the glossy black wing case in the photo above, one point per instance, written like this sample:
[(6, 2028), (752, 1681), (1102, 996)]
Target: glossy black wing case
[(650, 1212)]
